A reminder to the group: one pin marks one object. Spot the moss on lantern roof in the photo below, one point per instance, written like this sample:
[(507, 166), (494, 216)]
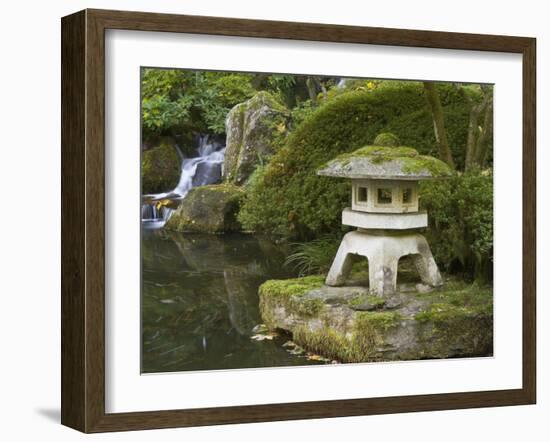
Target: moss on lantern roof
[(385, 162)]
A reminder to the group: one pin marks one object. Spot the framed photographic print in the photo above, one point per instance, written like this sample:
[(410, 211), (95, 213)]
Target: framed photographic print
[(267, 220)]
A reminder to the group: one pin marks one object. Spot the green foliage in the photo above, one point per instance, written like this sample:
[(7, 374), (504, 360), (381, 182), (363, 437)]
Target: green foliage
[(217, 93), (281, 83), (288, 198), (302, 111), (160, 113), (313, 257), (175, 100), (461, 222), (163, 103)]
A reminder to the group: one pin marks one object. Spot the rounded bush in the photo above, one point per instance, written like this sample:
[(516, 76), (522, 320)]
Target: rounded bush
[(286, 197)]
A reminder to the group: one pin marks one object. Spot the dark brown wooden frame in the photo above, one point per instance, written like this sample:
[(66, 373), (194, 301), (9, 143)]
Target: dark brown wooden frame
[(83, 216)]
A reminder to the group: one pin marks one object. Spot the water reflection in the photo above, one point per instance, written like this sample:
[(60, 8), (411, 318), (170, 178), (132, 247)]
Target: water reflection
[(200, 302)]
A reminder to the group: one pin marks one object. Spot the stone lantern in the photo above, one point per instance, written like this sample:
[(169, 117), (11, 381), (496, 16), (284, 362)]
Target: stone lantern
[(384, 209)]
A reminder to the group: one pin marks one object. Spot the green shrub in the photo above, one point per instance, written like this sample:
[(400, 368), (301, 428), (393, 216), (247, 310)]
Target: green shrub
[(301, 112), (460, 212), (288, 198)]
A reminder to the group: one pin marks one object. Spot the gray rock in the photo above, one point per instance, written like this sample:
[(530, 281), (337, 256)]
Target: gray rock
[(329, 321), (395, 301), (208, 209), (423, 288), (252, 129)]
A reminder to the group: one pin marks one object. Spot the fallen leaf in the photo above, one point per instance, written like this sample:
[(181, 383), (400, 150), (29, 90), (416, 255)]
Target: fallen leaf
[(314, 357), (261, 337)]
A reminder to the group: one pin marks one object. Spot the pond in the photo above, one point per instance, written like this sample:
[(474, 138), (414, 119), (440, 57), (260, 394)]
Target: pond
[(200, 302)]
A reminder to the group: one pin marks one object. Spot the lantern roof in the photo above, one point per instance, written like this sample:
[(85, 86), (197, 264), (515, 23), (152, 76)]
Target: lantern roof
[(384, 162)]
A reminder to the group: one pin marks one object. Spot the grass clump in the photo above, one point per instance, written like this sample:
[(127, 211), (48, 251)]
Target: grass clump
[(324, 341), (359, 345), (313, 257)]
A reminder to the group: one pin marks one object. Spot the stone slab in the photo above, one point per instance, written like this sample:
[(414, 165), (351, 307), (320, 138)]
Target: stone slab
[(390, 221), (347, 324)]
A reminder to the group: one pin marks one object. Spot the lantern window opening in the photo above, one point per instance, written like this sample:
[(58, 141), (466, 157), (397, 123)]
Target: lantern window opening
[(384, 195), (362, 195), (407, 195)]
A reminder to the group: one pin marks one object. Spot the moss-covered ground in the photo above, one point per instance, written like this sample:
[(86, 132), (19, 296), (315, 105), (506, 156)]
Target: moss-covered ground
[(454, 321)]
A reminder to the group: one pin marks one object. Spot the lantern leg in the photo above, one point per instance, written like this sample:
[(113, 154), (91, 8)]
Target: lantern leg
[(425, 263), (383, 274), (341, 266)]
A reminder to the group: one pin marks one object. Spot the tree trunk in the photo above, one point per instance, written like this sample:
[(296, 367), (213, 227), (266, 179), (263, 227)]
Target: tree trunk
[(320, 86), (476, 145), (486, 133), (471, 142), (312, 89), (439, 123)]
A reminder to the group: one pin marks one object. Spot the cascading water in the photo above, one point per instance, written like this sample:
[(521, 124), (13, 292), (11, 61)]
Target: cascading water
[(206, 168)]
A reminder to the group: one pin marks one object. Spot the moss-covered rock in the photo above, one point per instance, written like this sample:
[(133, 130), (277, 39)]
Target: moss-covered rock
[(288, 198), (254, 130), (387, 139), (385, 162), (208, 209), (329, 321), (160, 168)]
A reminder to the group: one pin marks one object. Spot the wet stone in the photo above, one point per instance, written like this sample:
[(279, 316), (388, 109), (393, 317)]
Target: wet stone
[(351, 324)]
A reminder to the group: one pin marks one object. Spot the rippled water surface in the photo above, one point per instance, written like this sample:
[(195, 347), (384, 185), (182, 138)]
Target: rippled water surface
[(200, 302)]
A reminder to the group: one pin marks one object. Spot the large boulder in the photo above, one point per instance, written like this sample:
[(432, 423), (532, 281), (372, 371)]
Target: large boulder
[(254, 129), (160, 168), (208, 209), (349, 324)]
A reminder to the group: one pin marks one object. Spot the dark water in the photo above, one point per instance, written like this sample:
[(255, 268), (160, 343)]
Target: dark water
[(200, 302)]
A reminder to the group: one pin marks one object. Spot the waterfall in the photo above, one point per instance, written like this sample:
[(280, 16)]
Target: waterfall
[(341, 83), (200, 170), (150, 212)]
